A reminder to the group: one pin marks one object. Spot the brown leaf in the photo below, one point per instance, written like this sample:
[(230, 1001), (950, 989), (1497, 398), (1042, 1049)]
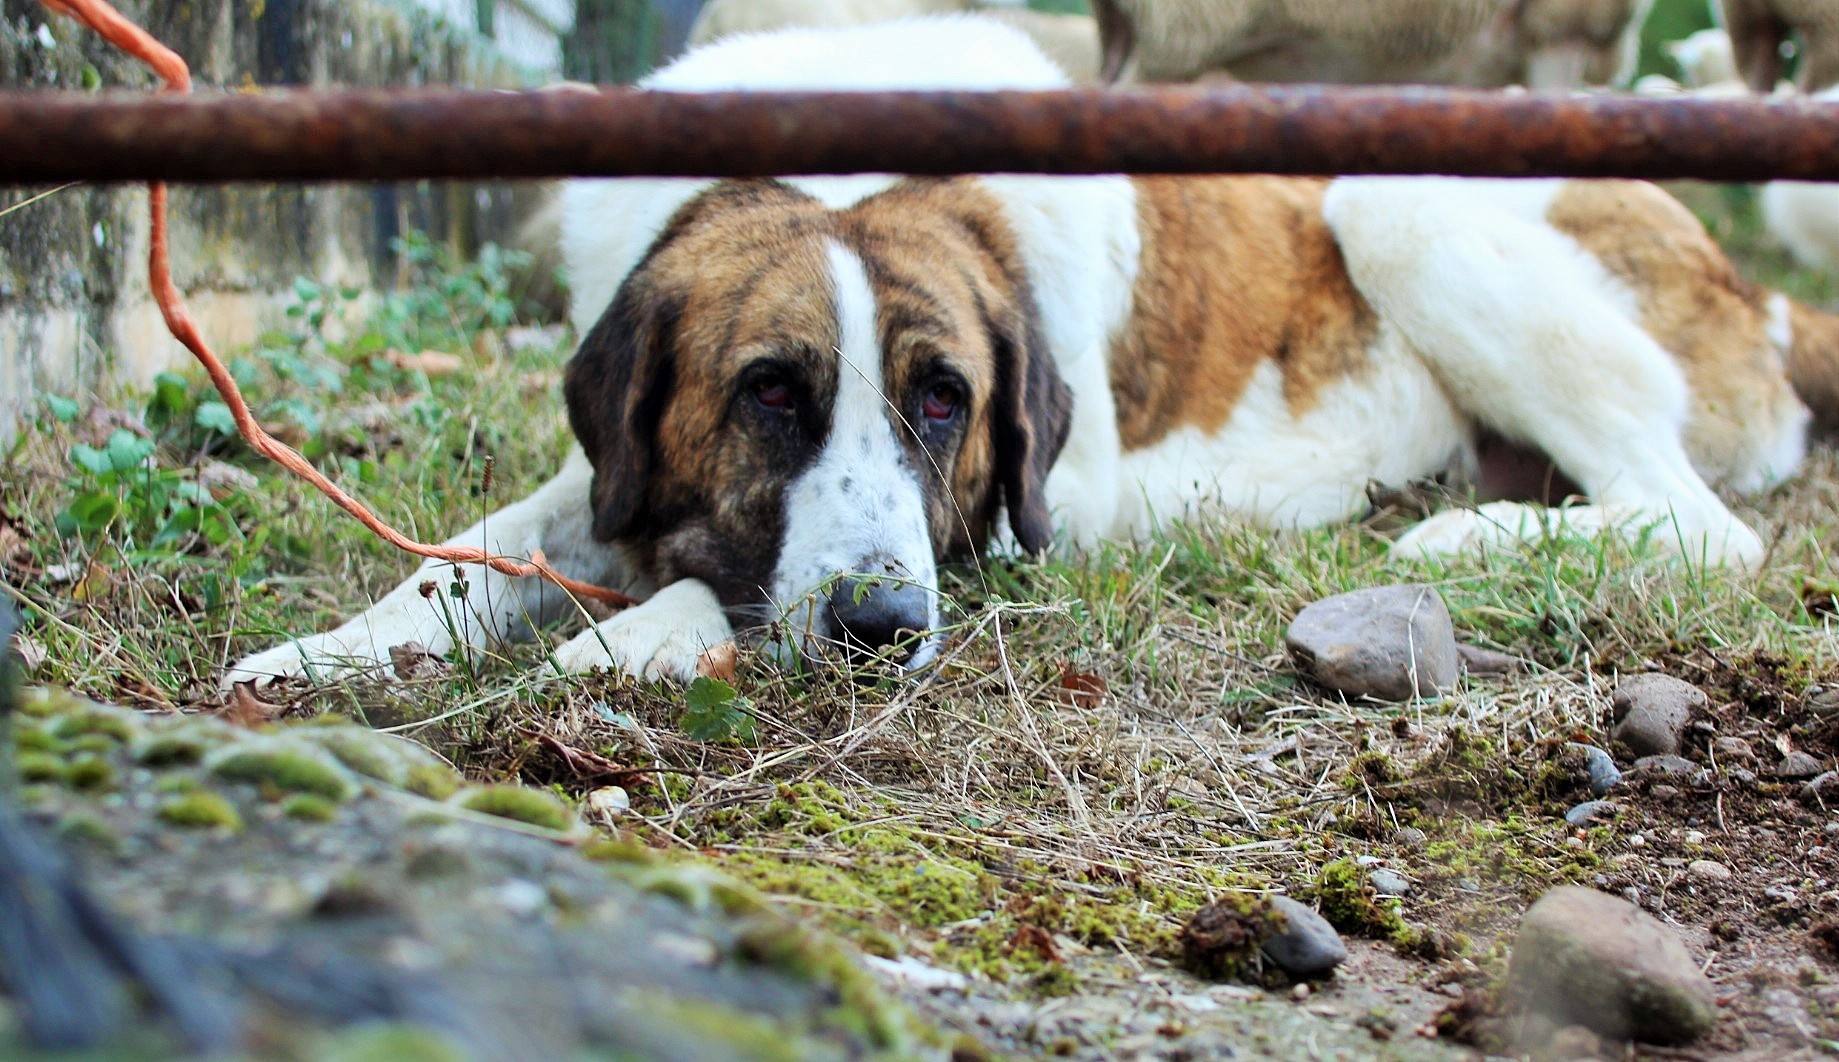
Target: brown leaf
[(719, 662), (428, 362), (244, 708), (1821, 599), (1034, 938), (580, 762), (31, 654), (1082, 689), (94, 584), (12, 539), (412, 662)]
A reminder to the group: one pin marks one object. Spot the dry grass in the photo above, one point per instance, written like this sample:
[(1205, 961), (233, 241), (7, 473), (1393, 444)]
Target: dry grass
[(1120, 731)]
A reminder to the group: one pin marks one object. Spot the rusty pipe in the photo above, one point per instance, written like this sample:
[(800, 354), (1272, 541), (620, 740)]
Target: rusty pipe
[(409, 135)]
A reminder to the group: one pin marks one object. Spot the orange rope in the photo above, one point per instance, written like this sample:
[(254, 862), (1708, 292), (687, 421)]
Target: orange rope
[(171, 69)]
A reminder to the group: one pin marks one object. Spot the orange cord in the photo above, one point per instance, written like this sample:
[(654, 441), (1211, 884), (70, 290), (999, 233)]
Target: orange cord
[(171, 69)]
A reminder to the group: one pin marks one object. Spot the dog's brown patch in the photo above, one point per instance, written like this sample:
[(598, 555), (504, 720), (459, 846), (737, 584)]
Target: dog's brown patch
[(1234, 271), (1694, 304)]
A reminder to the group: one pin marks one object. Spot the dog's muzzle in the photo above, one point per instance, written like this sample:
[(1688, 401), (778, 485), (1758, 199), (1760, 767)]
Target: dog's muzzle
[(879, 617)]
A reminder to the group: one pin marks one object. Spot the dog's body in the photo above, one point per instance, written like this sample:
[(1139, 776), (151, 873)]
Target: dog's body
[(788, 384)]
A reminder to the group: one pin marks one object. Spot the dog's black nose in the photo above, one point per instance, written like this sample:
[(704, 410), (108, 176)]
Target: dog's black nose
[(870, 615)]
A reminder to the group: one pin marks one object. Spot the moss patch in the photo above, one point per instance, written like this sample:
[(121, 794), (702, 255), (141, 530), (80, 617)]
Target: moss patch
[(521, 805), (203, 811), (90, 773), (308, 807), (283, 770), (428, 780)]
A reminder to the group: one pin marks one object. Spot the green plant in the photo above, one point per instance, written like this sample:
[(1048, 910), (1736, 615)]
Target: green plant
[(713, 711), (121, 489)]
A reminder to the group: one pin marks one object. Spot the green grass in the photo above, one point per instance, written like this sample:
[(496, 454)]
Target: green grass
[(1110, 740)]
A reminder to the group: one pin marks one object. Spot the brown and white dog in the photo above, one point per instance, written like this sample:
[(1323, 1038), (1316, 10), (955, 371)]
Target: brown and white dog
[(794, 398)]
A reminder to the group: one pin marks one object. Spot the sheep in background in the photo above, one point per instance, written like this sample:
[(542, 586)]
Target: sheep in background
[(1706, 59), (1759, 28), (1071, 41), (1805, 217), (1543, 43)]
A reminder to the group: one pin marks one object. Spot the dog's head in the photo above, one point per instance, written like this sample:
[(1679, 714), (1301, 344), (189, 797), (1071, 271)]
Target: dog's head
[(808, 408)]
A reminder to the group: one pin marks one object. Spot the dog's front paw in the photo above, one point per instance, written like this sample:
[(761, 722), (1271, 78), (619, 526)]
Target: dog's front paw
[(667, 637), (321, 658)]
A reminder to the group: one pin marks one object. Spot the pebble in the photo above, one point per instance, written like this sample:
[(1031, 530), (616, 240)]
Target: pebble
[(1591, 812), (1797, 765), (1307, 946), (1822, 790), (1733, 748), (1409, 836), (1706, 870), (1391, 643), (609, 801), (1651, 712), (1389, 883), (1587, 958), (1666, 764), (1598, 767), (1479, 661)]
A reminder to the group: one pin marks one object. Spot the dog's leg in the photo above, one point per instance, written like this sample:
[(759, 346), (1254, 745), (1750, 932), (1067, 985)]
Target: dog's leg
[(1535, 340), (442, 606), (664, 638)]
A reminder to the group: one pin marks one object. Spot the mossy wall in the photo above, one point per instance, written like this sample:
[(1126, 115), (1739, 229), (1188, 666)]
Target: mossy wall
[(73, 305)]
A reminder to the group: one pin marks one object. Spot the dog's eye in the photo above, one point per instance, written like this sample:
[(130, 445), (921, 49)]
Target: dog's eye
[(773, 392), (942, 402)]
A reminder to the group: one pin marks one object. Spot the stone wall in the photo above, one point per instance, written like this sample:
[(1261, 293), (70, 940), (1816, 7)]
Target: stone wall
[(73, 303)]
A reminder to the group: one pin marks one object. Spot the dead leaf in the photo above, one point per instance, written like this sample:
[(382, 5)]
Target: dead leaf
[(244, 708), (1033, 938), (719, 662), (581, 762), (1821, 599), (413, 662), (1082, 689), (12, 538), (432, 363), (94, 585), (221, 477), (31, 654)]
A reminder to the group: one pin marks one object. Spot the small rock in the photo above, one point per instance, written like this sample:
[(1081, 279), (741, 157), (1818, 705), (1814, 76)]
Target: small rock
[(1478, 661), (1389, 883), (1665, 792), (1597, 766), (1743, 776), (1666, 765), (1409, 836), (1693, 837), (1587, 958), (1392, 643), (1307, 946), (1651, 712), (1798, 765), (1573, 1042), (1706, 870), (1822, 790), (1734, 749), (609, 802), (1591, 812)]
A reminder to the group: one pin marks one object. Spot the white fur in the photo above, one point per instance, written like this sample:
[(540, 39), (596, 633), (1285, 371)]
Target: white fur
[(1491, 317), (1805, 217), (860, 507)]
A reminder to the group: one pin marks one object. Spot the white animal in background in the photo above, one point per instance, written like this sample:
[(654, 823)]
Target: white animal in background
[(1544, 44), (1071, 41), (1805, 217), (1705, 59)]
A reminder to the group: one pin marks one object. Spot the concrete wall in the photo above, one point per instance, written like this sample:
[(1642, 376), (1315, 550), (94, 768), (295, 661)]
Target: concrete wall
[(73, 303)]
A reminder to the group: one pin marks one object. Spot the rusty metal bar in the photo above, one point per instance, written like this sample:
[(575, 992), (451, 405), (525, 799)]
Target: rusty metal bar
[(403, 135)]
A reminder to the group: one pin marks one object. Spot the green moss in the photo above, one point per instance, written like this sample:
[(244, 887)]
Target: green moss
[(95, 744), (98, 721), (90, 773), (309, 807), (623, 850), (83, 828), (283, 770), (1351, 905), (791, 949), (387, 1043), (39, 767), (29, 738), (431, 781), (520, 805), (725, 1031), (169, 750), (361, 754), (201, 810), (177, 783)]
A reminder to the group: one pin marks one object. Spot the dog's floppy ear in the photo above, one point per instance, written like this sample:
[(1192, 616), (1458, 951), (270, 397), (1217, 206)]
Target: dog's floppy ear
[(1033, 412), (1117, 34), (617, 385)]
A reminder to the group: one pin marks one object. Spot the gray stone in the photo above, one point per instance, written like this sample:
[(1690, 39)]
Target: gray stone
[(1733, 750), (1478, 661), (1587, 958), (1389, 883), (1822, 790), (1797, 765), (1708, 871), (1409, 836), (1591, 812), (1667, 767), (1651, 712), (1598, 768), (1390, 643), (1307, 946)]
